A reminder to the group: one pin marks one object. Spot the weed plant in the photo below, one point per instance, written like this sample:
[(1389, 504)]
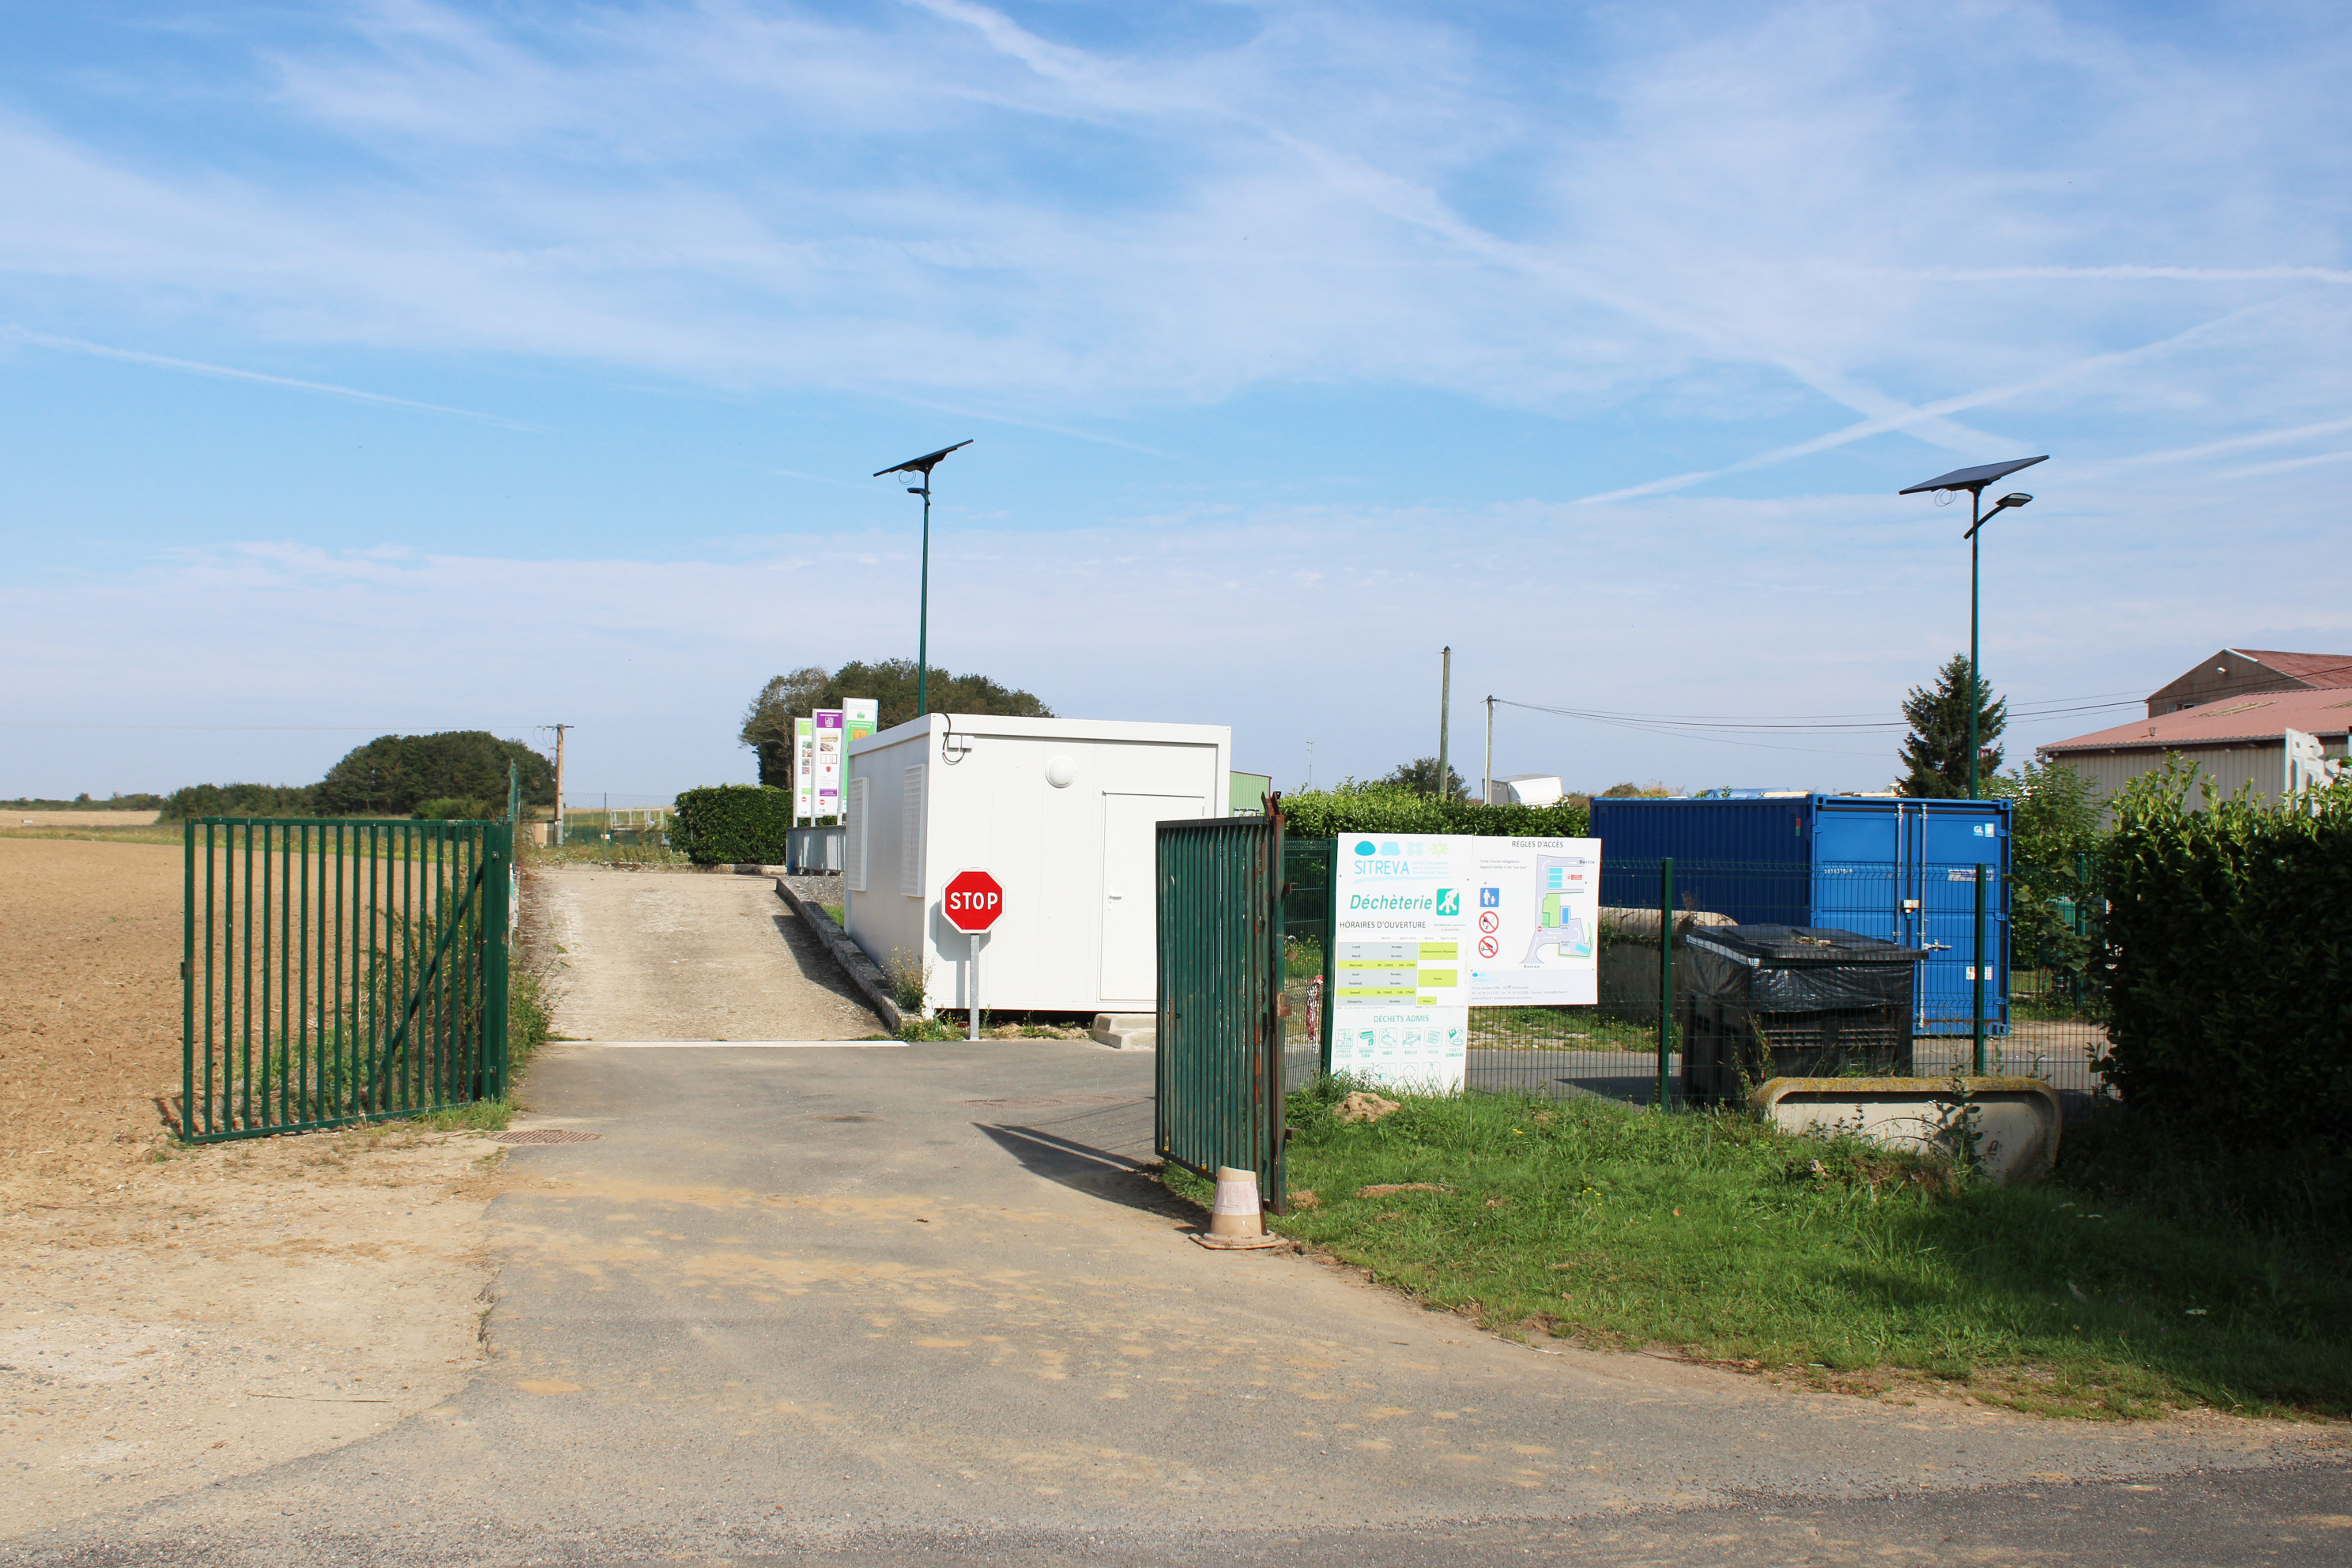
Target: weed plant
[(1727, 1241), (585, 849), (909, 979)]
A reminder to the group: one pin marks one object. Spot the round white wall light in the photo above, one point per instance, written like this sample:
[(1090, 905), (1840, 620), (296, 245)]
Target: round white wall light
[(1060, 771)]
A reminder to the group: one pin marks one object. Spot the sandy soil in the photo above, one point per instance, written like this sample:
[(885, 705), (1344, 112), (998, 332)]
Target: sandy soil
[(172, 1316), (78, 819)]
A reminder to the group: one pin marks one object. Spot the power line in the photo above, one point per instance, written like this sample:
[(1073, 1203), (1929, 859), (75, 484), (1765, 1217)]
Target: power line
[(1824, 723)]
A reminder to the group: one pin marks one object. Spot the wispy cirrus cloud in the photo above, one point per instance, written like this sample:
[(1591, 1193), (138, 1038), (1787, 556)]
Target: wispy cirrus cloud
[(1718, 256), (1196, 211)]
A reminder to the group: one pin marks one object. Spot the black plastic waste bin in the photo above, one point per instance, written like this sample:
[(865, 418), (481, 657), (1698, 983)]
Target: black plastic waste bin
[(1761, 1002)]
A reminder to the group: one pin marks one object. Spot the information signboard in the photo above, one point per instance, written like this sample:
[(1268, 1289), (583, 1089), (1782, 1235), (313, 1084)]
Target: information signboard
[(1537, 917), (1430, 926), (861, 716), (1401, 1002)]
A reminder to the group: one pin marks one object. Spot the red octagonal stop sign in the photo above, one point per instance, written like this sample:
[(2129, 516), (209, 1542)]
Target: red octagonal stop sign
[(973, 900)]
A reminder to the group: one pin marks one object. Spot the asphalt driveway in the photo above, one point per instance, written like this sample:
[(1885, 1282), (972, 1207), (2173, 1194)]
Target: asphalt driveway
[(878, 1303)]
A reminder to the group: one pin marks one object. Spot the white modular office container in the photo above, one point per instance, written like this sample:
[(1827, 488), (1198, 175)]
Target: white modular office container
[(1062, 812)]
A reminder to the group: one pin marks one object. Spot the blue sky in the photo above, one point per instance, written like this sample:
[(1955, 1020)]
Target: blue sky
[(420, 366)]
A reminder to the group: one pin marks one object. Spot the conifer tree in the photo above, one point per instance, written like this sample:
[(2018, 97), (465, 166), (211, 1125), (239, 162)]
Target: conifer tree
[(1936, 752)]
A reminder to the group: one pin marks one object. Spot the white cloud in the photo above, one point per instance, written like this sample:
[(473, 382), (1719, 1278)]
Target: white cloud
[(1286, 623)]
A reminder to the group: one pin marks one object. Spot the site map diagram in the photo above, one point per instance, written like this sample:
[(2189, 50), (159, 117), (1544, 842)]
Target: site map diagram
[(1537, 922)]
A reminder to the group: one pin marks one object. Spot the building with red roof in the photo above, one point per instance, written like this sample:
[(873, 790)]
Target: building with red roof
[(2235, 743), (2243, 671)]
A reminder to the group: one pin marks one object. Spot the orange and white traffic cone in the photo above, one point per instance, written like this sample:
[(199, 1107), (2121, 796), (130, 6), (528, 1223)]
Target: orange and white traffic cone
[(1237, 1219)]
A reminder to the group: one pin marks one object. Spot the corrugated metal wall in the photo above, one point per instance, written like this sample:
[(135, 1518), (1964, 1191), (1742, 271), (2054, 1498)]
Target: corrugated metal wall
[(2226, 768)]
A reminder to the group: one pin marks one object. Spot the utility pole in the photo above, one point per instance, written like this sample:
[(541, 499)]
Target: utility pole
[(1444, 721), (559, 779), (1487, 788), (1310, 766)]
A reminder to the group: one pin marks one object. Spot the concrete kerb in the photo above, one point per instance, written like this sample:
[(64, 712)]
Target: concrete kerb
[(862, 971)]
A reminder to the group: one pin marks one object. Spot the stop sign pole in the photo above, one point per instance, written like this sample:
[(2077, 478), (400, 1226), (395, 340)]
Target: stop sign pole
[(972, 901)]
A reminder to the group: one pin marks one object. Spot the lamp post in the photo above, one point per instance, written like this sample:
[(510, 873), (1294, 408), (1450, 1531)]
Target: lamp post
[(923, 465), (1974, 481)]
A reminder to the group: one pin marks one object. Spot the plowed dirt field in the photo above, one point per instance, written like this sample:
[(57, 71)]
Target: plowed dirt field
[(172, 1316)]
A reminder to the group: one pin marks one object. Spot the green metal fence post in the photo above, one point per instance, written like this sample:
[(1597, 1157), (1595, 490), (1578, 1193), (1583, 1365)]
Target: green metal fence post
[(496, 917), (188, 976), (1330, 949), (1665, 974), (1276, 1199), (1978, 968)]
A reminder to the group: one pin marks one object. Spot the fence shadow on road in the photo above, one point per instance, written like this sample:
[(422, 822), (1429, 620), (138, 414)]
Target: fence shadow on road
[(1085, 1168)]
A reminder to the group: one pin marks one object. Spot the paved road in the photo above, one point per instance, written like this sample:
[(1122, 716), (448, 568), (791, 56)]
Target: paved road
[(883, 1304), (871, 1305)]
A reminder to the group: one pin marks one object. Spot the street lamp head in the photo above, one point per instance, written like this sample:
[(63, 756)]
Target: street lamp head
[(2014, 497)]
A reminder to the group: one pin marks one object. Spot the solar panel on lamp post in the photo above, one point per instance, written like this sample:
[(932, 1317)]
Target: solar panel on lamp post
[(1974, 481), (923, 465)]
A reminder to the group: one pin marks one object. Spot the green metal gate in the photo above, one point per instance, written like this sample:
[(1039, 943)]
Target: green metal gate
[(337, 972), (1221, 1006)]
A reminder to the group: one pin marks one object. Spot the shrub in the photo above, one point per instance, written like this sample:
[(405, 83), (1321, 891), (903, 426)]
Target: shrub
[(2228, 978), (1391, 808), (241, 800), (728, 824), (456, 808)]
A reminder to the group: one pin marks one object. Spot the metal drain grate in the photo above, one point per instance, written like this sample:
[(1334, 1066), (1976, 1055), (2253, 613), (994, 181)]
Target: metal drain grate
[(545, 1135), (1041, 1103)]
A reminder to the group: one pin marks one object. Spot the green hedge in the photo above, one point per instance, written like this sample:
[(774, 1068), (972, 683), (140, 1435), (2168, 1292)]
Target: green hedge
[(2228, 965), (733, 825), (1391, 808)]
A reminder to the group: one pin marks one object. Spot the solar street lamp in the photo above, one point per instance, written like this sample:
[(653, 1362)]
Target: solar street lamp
[(923, 465), (1974, 481)]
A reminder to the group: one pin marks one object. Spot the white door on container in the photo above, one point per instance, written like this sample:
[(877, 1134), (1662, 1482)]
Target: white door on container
[(1130, 955)]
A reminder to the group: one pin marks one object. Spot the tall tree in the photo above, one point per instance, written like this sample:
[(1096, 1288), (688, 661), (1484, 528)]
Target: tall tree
[(890, 682), (1420, 775), (1936, 752), (392, 773), (768, 722)]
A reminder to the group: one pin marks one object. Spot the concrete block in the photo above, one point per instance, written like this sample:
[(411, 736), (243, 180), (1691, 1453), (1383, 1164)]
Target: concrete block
[(2017, 1119), (1126, 1031)]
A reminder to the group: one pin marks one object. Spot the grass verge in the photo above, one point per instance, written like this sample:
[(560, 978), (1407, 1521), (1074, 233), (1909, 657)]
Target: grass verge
[(1728, 1242)]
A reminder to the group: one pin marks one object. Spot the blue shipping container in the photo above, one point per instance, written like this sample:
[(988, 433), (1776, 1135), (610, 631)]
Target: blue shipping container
[(1900, 870)]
